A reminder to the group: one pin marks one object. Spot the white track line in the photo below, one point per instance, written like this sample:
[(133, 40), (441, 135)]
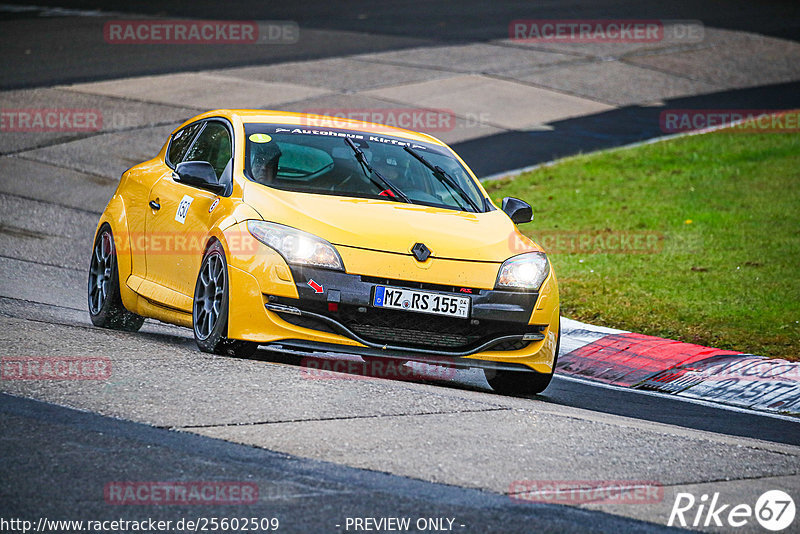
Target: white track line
[(51, 11)]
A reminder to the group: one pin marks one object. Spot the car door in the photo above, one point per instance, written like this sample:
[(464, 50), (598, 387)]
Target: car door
[(179, 218), (139, 183)]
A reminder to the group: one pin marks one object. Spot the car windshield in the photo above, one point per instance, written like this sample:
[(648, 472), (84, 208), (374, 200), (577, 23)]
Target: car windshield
[(319, 160)]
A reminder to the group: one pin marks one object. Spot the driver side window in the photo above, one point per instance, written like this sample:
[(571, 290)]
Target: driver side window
[(213, 145), (180, 143)]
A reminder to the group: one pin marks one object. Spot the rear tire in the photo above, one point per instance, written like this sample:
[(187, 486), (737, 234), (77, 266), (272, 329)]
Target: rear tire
[(522, 382), (210, 308), (105, 302)]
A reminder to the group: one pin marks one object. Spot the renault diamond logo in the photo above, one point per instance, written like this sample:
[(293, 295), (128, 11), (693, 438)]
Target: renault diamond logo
[(421, 252)]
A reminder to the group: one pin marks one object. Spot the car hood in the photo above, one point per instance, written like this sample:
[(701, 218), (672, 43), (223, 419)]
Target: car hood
[(392, 226)]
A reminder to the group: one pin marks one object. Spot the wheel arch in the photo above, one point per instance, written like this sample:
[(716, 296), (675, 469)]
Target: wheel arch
[(115, 216)]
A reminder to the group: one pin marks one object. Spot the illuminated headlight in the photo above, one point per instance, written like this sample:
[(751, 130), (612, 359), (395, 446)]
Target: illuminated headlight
[(296, 246), (526, 271)]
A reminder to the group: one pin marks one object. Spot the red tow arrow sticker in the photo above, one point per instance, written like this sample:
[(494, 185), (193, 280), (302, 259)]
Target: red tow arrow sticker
[(315, 286)]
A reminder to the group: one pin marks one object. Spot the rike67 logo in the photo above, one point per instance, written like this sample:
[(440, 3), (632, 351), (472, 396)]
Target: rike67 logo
[(774, 510)]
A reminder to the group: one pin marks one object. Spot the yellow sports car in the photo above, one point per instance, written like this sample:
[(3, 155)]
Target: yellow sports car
[(319, 234)]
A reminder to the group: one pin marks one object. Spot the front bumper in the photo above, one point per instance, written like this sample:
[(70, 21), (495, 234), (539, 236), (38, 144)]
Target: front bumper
[(341, 303), (274, 304)]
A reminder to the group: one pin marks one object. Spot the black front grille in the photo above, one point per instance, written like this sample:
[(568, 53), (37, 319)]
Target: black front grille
[(415, 329), (409, 329), (405, 336)]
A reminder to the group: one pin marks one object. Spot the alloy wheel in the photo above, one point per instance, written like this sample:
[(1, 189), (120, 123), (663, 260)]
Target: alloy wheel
[(101, 270), (211, 290)]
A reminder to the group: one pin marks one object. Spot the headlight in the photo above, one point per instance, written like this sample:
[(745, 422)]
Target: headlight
[(526, 271), (296, 246)]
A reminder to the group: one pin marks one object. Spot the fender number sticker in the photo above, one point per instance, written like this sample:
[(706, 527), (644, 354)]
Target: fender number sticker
[(183, 209)]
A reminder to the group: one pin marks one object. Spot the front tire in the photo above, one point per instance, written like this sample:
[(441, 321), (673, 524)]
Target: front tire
[(105, 302), (522, 382), (210, 308)]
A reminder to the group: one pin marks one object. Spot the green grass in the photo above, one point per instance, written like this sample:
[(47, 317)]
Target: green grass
[(726, 209)]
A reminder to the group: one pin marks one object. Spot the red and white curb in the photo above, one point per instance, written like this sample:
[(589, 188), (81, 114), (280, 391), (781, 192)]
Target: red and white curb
[(626, 359)]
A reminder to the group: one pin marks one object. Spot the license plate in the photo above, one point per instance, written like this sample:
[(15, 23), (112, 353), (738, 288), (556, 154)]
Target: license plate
[(421, 301)]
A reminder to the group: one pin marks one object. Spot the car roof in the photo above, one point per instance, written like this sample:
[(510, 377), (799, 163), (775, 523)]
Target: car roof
[(309, 120)]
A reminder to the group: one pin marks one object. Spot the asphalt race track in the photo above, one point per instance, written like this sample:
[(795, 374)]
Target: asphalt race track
[(323, 449)]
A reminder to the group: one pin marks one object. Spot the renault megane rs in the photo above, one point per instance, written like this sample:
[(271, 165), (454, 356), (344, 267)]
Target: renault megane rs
[(319, 234)]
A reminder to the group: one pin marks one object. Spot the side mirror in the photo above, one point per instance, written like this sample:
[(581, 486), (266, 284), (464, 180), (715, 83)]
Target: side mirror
[(199, 174), (518, 210)]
